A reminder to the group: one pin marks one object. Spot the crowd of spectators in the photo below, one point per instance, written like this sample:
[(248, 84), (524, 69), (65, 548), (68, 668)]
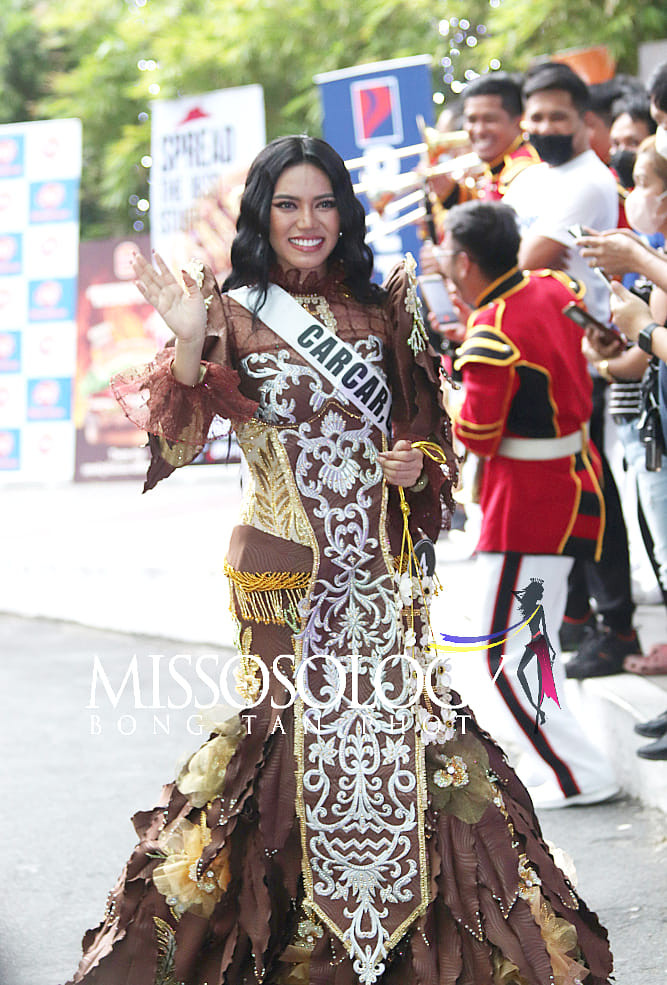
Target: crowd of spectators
[(585, 170)]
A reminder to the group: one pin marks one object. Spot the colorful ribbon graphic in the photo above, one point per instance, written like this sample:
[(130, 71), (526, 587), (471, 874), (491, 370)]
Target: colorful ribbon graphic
[(461, 644)]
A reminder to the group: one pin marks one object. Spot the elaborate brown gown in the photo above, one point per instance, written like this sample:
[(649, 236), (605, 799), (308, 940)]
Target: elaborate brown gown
[(347, 842)]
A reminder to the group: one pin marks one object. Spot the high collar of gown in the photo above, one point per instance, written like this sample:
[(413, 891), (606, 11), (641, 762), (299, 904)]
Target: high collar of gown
[(312, 283)]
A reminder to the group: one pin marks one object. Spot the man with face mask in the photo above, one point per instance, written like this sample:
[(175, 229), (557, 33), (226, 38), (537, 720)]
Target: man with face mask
[(632, 123), (573, 187)]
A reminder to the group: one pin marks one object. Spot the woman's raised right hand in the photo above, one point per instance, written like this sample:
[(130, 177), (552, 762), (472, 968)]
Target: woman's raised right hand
[(181, 307)]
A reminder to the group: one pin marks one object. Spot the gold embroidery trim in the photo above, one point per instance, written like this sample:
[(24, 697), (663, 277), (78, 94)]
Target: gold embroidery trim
[(272, 502)]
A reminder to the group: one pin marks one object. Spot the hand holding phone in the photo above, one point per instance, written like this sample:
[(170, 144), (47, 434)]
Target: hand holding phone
[(606, 333), (436, 298)]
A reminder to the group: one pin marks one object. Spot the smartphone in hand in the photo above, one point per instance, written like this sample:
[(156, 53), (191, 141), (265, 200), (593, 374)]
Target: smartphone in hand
[(608, 333), (436, 298)]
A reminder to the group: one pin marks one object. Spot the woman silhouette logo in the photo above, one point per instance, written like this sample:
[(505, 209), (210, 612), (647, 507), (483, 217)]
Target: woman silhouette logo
[(539, 646)]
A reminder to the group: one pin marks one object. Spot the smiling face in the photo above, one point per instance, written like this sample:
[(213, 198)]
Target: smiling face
[(304, 223), (490, 127)]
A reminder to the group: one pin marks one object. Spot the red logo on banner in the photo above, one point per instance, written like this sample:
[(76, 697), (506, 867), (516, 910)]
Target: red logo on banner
[(46, 444), (375, 108), (49, 247), (376, 111), (51, 147), (46, 345), (194, 114)]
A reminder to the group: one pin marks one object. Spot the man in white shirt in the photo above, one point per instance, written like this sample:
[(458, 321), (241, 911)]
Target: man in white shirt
[(573, 187)]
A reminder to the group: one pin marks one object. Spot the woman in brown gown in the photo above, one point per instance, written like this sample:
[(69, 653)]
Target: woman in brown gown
[(358, 830)]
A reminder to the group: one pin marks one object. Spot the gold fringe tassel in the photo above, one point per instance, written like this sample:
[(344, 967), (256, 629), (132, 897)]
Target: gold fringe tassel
[(267, 596)]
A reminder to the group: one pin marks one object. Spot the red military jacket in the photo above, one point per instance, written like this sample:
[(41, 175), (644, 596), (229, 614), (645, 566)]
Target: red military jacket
[(525, 376), (497, 175)]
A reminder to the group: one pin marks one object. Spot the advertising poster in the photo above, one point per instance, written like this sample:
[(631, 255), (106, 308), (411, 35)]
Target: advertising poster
[(40, 168), (370, 113), (201, 147), (117, 330)]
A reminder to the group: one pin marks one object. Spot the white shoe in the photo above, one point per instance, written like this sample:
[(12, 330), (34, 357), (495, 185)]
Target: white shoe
[(547, 800)]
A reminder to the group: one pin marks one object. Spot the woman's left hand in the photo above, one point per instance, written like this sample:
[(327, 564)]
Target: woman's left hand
[(402, 465)]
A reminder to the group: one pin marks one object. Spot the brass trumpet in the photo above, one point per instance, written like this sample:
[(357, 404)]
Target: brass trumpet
[(390, 193), (435, 144), (410, 180)]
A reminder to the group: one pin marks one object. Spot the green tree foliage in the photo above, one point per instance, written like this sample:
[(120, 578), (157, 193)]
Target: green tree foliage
[(22, 67), (106, 57), (104, 61), (532, 30)]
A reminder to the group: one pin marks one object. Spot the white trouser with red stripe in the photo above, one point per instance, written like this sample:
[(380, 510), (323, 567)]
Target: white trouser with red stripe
[(559, 753)]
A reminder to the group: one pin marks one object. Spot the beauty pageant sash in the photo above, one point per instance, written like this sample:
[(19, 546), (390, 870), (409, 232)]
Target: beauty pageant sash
[(336, 360)]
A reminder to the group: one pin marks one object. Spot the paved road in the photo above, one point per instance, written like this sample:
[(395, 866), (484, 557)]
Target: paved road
[(71, 781)]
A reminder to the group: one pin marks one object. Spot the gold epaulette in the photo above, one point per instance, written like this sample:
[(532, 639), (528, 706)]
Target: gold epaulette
[(577, 287), (486, 344), (512, 170)]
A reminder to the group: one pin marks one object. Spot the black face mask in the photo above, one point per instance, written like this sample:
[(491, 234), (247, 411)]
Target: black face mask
[(554, 148), (623, 163)]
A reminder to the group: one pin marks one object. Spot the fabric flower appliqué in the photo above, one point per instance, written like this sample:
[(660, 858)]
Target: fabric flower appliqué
[(202, 777), (176, 878), (454, 774), (435, 729)]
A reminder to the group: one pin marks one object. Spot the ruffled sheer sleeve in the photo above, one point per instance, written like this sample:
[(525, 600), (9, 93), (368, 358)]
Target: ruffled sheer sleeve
[(417, 409), (179, 419)]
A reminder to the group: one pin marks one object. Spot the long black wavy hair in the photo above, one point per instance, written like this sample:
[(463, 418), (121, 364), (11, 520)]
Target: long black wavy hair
[(252, 255)]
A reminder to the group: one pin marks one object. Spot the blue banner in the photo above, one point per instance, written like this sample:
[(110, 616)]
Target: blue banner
[(370, 110), (52, 300), (54, 201), (49, 400)]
